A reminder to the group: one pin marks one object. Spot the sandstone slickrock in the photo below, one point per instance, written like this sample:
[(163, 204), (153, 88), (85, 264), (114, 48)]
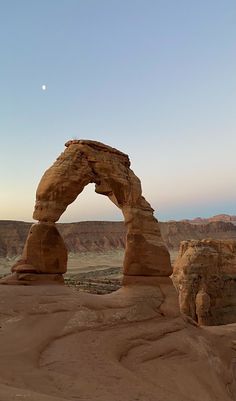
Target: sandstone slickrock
[(205, 277), (85, 162), (132, 345), (58, 344)]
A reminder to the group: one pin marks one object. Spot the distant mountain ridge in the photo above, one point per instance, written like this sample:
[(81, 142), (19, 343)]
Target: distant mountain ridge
[(219, 217), (102, 236)]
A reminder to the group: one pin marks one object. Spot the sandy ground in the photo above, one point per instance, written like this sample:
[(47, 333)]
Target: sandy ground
[(79, 262), (87, 261), (58, 344), (94, 272), (83, 262)]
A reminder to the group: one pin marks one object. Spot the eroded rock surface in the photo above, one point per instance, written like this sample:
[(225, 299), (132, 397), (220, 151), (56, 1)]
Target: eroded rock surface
[(60, 345), (44, 251), (44, 257), (85, 162), (205, 277)]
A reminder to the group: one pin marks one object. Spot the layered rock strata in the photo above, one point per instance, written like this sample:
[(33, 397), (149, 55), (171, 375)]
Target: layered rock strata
[(205, 277), (85, 162), (103, 236)]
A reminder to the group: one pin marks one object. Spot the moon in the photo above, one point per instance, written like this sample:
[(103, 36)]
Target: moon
[(44, 87)]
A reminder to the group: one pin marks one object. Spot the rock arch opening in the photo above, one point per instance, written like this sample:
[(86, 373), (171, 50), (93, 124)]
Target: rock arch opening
[(88, 206), (94, 235), (84, 162)]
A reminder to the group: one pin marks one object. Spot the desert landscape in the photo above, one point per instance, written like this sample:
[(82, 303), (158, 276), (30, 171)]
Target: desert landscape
[(98, 246), (117, 200), (127, 317)]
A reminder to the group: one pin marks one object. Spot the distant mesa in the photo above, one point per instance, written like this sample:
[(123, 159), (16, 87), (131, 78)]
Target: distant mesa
[(105, 236), (219, 217)]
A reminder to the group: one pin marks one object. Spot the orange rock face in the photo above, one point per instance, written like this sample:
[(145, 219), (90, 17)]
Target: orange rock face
[(44, 251), (44, 258), (85, 162), (205, 277)]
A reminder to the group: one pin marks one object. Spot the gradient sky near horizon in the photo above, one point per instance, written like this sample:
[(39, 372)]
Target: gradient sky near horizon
[(153, 78)]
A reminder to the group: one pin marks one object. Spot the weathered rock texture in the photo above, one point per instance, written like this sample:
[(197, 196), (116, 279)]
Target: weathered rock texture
[(84, 162), (205, 277), (44, 257), (44, 251), (62, 345)]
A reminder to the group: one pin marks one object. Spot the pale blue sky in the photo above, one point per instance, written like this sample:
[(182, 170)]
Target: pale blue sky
[(155, 79)]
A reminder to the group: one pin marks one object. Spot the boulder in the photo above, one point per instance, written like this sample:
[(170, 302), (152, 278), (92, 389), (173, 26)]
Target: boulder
[(44, 251), (44, 257)]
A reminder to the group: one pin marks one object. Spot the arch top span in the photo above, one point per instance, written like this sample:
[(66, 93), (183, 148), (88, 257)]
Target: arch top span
[(84, 162), (81, 163), (99, 146)]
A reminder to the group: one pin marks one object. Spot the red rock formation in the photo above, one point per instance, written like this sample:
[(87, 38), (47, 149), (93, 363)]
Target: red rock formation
[(205, 277), (84, 162), (44, 251), (44, 257)]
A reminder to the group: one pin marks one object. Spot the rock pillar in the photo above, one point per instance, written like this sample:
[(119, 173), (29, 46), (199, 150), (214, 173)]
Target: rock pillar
[(44, 258)]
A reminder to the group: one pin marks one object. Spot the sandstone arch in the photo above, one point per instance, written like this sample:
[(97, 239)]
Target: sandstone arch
[(85, 162)]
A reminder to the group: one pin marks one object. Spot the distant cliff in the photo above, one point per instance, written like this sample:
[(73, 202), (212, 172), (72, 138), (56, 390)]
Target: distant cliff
[(12, 237), (99, 236), (79, 237), (219, 217), (175, 232), (93, 236)]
